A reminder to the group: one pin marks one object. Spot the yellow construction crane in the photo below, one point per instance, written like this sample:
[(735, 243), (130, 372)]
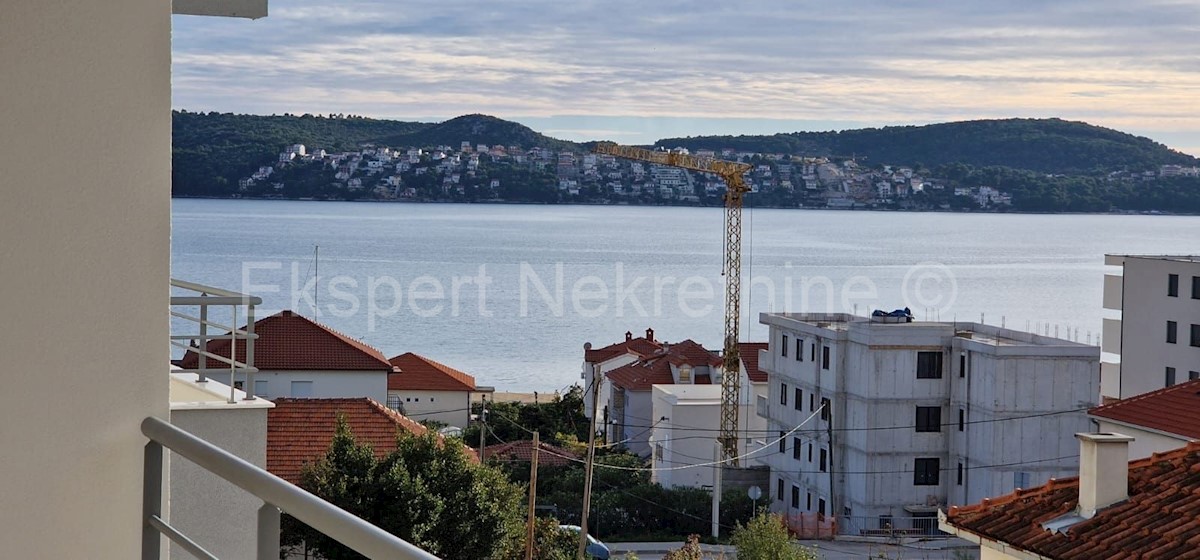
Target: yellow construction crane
[(735, 190)]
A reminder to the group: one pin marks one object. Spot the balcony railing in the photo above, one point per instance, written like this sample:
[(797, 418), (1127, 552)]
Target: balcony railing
[(195, 308), (276, 494)]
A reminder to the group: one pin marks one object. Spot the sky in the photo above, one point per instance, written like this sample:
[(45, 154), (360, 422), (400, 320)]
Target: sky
[(635, 72)]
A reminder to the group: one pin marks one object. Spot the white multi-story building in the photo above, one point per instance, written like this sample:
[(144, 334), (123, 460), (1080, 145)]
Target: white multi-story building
[(1151, 336), (883, 421)]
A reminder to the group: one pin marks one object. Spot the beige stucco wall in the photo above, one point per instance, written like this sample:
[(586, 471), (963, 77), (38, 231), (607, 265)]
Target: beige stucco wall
[(1145, 442), (84, 256), (216, 514)]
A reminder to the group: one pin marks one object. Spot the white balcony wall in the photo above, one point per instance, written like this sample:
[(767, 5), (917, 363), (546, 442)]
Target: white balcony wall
[(84, 262)]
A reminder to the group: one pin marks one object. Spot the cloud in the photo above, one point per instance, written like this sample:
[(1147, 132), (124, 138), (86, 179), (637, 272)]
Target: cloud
[(1107, 62)]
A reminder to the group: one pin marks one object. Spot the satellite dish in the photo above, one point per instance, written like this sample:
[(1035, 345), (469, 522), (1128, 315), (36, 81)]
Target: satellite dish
[(755, 493)]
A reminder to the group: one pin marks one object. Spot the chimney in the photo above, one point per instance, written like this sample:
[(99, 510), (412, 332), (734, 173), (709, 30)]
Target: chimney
[(650, 334), (1103, 471), (628, 336)]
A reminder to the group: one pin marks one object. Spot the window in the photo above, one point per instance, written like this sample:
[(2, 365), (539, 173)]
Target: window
[(1021, 480), (1193, 375), (929, 365), (1196, 287), (239, 385), (812, 402), (929, 418), (962, 365), (798, 403), (799, 350), (826, 410), (782, 442), (821, 506), (795, 497), (925, 472), (960, 474), (824, 460), (808, 504), (962, 419), (260, 387), (1172, 329), (1195, 335), (658, 452), (812, 352), (810, 453), (796, 447), (779, 489), (1173, 285), (302, 388), (1170, 376), (784, 346), (824, 357), (685, 374), (783, 394)]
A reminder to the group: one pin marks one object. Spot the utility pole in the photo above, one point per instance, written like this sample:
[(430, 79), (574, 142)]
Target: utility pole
[(533, 466), (482, 427), (718, 468), (591, 459)]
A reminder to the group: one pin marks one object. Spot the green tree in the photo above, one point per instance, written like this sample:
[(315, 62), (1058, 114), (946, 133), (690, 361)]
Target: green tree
[(765, 537), (426, 492)]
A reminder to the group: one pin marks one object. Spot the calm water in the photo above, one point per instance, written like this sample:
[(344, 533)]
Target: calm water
[(625, 268)]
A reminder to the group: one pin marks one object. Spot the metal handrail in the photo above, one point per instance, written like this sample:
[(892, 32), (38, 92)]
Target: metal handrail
[(276, 493), (215, 297)]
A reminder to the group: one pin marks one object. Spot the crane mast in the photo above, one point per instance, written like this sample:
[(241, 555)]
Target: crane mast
[(735, 191)]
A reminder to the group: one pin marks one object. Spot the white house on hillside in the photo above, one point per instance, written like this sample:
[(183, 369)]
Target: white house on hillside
[(298, 357)]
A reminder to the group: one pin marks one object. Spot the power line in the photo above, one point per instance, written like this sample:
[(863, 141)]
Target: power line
[(879, 428)]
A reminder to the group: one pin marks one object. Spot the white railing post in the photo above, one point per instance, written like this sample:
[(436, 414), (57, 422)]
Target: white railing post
[(203, 342), (268, 532), (152, 467), (249, 389)]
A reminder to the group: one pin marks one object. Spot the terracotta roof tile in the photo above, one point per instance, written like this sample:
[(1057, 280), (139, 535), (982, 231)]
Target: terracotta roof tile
[(1174, 410), (656, 368), (523, 451), (422, 374), (1160, 520), (641, 346), (748, 351), (299, 431), (287, 341)]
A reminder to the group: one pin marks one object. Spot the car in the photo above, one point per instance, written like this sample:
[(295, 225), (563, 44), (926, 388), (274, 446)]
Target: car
[(595, 548)]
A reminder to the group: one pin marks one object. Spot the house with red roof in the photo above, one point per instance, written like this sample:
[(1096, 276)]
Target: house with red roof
[(299, 431), (522, 451), (1159, 421), (428, 390), (599, 361), (1143, 509), (299, 357)]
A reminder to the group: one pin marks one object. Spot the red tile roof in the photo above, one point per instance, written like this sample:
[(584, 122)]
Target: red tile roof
[(1175, 410), (523, 451), (656, 368), (287, 341), (641, 347), (418, 373), (1161, 518), (299, 431), (749, 354)]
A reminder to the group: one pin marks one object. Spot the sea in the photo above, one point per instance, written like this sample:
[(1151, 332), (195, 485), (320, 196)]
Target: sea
[(512, 293)]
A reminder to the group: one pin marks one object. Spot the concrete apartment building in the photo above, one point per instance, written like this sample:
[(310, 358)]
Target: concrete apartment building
[(909, 417), (1151, 336)]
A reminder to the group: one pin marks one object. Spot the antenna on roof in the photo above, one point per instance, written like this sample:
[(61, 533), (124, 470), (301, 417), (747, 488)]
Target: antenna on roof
[(317, 274)]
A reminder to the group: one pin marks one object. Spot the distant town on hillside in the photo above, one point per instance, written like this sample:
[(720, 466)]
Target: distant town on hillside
[(1043, 165)]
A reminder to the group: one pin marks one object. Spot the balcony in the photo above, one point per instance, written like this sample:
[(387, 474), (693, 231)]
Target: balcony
[(222, 501)]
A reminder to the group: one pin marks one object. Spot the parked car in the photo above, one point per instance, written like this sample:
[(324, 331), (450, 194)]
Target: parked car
[(595, 548)]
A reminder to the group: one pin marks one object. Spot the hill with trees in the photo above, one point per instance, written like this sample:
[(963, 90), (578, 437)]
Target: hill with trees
[(1042, 145)]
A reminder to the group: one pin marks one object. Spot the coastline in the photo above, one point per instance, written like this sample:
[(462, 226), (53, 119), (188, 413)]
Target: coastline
[(752, 207)]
